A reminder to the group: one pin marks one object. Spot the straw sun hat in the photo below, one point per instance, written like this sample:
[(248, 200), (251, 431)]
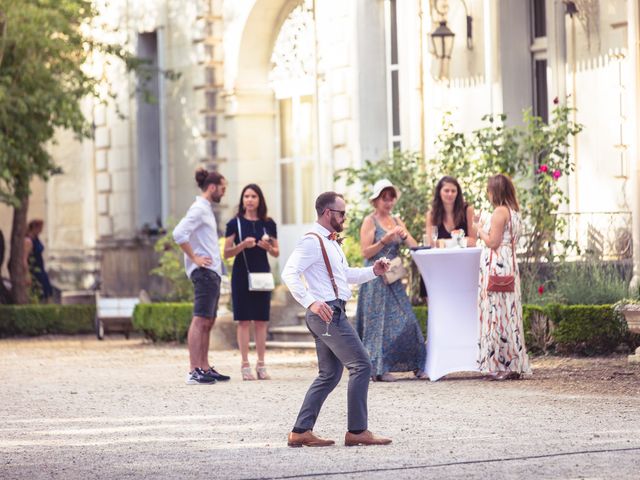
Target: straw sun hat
[(380, 185)]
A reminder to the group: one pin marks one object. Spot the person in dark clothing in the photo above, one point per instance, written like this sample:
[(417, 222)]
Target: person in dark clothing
[(34, 261), (449, 212), (250, 236)]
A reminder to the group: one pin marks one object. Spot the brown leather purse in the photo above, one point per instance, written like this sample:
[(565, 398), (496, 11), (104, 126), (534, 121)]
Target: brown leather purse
[(503, 283)]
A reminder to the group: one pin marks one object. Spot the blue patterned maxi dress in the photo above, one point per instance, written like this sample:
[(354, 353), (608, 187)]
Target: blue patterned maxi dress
[(386, 323)]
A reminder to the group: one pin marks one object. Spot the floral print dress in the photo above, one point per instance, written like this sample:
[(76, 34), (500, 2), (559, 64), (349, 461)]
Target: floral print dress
[(386, 323), (502, 346)]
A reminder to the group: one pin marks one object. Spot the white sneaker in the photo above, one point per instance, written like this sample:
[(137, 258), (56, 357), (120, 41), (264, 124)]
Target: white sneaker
[(198, 377)]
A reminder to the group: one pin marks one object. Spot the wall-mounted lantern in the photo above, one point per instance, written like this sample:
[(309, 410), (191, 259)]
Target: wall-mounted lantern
[(442, 41), (442, 37)]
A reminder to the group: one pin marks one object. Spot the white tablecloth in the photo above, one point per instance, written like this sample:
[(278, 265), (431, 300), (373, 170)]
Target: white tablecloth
[(451, 277)]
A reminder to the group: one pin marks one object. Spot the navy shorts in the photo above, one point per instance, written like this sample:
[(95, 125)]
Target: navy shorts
[(206, 287)]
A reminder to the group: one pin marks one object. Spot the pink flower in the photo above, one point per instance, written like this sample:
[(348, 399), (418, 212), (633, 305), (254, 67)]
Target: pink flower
[(540, 289), (543, 168), (556, 174)]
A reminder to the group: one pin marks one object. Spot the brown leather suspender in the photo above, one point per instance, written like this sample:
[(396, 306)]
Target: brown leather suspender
[(326, 263)]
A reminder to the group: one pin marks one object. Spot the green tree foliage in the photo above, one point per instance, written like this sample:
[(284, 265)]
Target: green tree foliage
[(45, 47), (171, 268), (405, 171), (535, 154)]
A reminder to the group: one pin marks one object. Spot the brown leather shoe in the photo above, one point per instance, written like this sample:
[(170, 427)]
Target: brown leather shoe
[(307, 439), (364, 438)]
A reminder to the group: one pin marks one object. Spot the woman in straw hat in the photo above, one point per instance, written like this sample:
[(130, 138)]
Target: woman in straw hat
[(385, 320)]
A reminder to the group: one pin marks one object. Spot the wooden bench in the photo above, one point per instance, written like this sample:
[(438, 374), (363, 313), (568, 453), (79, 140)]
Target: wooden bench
[(114, 315)]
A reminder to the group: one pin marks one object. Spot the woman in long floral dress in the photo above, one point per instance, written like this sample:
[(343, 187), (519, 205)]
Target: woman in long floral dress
[(384, 319), (503, 354)]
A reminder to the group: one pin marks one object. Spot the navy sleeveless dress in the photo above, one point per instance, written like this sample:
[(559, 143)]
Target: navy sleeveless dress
[(250, 305)]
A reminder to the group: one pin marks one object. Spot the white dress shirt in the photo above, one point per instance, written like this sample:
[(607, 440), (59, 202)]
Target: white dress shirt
[(307, 260), (200, 229)]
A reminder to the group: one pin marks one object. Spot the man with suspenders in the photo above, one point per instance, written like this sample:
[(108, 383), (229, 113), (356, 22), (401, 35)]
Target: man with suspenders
[(319, 257)]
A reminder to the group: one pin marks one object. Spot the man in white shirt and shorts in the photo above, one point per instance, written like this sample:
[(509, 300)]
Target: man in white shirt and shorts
[(320, 259), (197, 235)]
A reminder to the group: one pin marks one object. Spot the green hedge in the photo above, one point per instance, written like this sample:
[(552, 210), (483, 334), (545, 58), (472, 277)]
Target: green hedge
[(421, 312), (572, 329), (568, 329), (587, 329), (31, 320), (163, 322)]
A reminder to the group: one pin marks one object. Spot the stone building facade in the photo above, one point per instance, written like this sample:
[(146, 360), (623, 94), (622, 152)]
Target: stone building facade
[(286, 92)]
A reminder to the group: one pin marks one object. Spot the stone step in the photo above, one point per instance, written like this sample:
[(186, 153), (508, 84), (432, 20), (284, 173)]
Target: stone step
[(292, 333)]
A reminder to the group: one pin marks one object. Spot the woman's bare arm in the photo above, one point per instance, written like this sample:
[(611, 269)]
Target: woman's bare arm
[(472, 234), (498, 221)]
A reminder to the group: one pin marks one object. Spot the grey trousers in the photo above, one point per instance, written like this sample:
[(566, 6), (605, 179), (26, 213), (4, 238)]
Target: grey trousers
[(342, 349)]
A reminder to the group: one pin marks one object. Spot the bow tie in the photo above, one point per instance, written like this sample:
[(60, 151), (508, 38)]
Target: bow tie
[(335, 237)]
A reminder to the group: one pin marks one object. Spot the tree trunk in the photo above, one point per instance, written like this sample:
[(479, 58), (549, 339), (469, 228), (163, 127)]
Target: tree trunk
[(5, 295), (17, 269)]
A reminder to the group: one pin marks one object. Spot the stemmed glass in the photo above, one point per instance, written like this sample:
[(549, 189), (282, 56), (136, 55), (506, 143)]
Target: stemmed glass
[(326, 333), (434, 235)]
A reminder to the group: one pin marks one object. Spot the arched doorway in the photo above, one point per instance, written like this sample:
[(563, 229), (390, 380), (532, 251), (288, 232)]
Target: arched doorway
[(274, 125)]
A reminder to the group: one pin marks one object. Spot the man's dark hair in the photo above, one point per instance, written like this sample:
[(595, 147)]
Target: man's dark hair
[(205, 178), (326, 200)]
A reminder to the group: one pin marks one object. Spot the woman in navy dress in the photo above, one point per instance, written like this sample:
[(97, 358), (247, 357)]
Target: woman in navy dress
[(34, 260), (256, 238)]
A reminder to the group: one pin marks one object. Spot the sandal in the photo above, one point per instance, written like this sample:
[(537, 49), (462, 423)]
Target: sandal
[(421, 375), (261, 371), (245, 370), (387, 377), (506, 375)]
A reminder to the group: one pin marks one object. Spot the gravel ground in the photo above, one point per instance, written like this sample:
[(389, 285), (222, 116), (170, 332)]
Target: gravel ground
[(76, 408)]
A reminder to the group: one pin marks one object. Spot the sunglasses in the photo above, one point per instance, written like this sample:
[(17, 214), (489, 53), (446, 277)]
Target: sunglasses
[(342, 213)]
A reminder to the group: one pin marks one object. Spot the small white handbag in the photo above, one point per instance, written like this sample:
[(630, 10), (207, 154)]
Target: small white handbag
[(258, 281), (261, 282)]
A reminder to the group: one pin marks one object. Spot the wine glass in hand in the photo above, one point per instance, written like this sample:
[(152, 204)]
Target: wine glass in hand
[(326, 333)]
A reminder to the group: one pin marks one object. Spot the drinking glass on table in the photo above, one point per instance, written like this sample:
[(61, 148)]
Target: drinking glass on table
[(434, 235)]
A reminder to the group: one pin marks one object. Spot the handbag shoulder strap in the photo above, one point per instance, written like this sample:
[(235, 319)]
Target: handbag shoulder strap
[(326, 262), (244, 255), (513, 243)]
